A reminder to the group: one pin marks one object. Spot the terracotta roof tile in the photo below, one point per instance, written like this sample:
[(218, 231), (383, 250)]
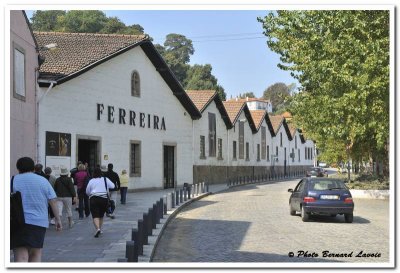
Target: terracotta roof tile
[(76, 51), (201, 98), (233, 108), (292, 129), (276, 122), (258, 117)]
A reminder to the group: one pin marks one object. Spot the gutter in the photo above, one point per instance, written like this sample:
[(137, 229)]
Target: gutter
[(52, 83)]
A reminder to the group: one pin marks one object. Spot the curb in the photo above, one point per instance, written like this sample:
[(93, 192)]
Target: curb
[(149, 250)]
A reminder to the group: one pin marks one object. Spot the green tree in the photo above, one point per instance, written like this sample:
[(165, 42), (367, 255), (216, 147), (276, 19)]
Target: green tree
[(85, 21), (276, 93), (176, 53), (199, 77), (341, 60), (113, 25), (247, 95), (46, 20)]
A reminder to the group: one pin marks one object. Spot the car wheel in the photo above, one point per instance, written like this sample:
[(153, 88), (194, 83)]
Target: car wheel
[(304, 216), (292, 211), (348, 217)]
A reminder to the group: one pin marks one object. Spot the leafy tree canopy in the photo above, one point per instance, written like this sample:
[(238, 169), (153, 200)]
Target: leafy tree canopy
[(199, 77), (341, 60), (276, 93), (247, 95)]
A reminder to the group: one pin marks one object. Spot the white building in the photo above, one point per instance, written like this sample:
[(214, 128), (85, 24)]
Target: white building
[(114, 103)]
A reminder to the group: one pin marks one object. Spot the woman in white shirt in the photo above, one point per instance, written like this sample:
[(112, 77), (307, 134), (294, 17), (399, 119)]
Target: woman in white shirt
[(97, 192)]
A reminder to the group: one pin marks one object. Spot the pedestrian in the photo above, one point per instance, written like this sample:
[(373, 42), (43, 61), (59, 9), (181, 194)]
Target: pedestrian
[(36, 192), (97, 190), (39, 170), (82, 178), (52, 180), (64, 188), (123, 186), (73, 171), (114, 177)]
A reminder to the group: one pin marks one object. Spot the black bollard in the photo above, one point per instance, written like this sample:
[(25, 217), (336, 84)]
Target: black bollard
[(156, 218), (150, 219), (145, 228), (207, 188), (172, 199), (189, 192), (181, 196), (131, 252), (177, 198), (140, 235), (162, 207)]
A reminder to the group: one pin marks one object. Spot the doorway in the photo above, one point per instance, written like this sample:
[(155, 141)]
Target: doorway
[(88, 151), (169, 167)]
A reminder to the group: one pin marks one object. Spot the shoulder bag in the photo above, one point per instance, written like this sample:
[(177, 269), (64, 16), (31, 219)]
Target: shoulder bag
[(16, 209), (111, 203)]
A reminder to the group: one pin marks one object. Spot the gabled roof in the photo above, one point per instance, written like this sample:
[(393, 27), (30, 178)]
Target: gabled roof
[(203, 98), (258, 117), (278, 121), (292, 129), (234, 108), (76, 53)]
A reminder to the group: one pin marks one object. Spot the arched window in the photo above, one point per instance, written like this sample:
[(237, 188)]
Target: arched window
[(135, 84)]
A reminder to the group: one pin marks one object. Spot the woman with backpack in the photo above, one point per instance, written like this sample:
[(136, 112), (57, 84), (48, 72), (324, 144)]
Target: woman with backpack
[(64, 188)]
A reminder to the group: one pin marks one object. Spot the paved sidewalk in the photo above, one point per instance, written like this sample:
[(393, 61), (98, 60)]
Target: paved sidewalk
[(78, 243)]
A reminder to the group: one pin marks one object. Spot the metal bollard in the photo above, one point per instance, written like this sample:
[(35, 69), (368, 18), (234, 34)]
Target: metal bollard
[(172, 200), (131, 252), (150, 222), (165, 201), (140, 234), (184, 194), (136, 238), (161, 208), (156, 216), (145, 228), (169, 205), (181, 196), (152, 219), (177, 198), (189, 194), (207, 188)]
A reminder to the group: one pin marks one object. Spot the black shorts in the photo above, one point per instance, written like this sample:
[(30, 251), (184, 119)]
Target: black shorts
[(98, 206), (30, 236)]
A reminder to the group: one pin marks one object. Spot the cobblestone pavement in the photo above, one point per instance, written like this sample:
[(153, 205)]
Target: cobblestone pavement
[(252, 224)]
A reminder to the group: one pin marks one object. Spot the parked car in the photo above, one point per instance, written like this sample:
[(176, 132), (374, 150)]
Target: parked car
[(316, 172), (324, 196)]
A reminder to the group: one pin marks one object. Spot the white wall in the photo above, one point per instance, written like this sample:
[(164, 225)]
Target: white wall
[(72, 108), (201, 128), (248, 137)]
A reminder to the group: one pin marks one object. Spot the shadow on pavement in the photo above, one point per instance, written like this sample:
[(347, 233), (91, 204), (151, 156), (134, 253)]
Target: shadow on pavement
[(338, 219)]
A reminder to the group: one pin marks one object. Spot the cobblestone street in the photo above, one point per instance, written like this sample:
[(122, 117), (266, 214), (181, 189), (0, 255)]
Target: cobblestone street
[(252, 224)]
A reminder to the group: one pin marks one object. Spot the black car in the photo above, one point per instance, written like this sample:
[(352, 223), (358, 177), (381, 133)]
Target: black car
[(316, 172), (320, 195)]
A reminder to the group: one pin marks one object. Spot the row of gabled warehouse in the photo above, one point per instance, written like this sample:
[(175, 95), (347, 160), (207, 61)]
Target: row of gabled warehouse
[(105, 98), (232, 141)]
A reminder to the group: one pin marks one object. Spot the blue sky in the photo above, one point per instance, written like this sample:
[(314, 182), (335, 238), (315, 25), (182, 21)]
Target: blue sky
[(230, 40)]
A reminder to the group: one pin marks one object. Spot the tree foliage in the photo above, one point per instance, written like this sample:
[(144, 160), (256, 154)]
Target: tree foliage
[(277, 94), (341, 60), (199, 77), (81, 21), (247, 95)]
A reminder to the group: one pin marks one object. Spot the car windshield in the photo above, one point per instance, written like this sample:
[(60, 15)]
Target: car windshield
[(322, 185)]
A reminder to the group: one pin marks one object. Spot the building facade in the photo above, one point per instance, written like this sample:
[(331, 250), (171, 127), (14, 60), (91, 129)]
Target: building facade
[(122, 111), (112, 99), (24, 64)]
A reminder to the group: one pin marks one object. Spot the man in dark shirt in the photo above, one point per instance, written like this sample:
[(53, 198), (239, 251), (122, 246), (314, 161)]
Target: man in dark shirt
[(114, 177), (39, 170)]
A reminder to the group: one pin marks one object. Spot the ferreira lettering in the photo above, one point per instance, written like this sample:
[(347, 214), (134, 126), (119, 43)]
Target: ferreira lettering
[(155, 122)]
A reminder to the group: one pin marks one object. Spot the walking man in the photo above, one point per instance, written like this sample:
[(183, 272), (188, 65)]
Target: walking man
[(113, 176)]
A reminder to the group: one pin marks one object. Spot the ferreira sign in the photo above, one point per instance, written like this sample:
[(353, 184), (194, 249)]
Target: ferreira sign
[(129, 117)]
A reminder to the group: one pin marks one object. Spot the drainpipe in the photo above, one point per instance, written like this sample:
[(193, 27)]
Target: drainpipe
[(52, 83)]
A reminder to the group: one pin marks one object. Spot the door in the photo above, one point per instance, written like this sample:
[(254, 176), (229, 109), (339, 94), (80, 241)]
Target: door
[(297, 195), (169, 167), (88, 153)]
